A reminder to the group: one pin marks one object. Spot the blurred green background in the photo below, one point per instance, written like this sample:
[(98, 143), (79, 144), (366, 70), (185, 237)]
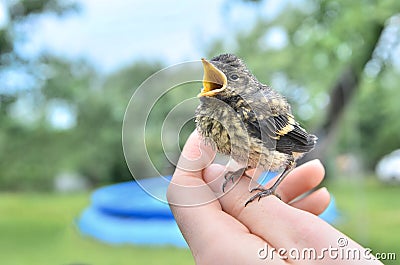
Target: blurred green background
[(337, 62)]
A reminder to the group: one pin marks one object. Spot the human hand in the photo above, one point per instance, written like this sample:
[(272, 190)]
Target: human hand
[(220, 230)]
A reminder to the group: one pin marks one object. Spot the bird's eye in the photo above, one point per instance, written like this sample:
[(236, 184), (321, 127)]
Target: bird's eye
[(234, 77)]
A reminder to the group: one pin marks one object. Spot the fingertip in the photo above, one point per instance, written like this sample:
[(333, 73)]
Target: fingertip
[(302, 179), (315, 203), (195, 155), (324, 198), (318, 165), (326, 194), (317, 170)]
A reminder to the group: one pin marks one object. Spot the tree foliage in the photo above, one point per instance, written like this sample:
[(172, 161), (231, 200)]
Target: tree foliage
[(33, 150)]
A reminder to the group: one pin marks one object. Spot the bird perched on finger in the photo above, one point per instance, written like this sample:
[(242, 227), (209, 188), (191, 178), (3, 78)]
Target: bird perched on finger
[(249, 121)]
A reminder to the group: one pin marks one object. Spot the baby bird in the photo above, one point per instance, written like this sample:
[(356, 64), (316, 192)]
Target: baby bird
[(249, 121)]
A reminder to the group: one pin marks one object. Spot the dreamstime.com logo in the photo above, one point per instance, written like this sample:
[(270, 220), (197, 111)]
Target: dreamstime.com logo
[(339, 252)]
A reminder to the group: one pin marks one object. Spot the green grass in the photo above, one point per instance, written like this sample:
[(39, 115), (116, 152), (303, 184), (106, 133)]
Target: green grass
[(39, 229), (369, 213)]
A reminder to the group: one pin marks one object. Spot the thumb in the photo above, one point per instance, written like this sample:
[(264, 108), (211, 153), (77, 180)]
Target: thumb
[(195, 157), (187, 187)]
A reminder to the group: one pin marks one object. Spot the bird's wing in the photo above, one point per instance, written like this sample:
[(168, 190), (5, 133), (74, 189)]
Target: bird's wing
[(281, 129)]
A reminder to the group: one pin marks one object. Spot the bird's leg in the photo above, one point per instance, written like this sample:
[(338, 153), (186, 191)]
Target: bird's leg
[(272, 191), (233, 175)]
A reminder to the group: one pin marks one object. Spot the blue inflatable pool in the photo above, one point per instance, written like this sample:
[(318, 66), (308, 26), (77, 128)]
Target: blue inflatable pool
[(129, 213), (134, 199)]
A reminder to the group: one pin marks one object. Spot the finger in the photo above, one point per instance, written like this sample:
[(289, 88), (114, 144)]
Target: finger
[(302, 179), (194, 158), (263, 218), (187, 187), (279, 224), (315, 203), (195, 208), (245, 245)]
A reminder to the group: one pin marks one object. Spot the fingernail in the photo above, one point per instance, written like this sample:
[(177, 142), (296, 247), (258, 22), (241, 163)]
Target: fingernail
[(316, 161)]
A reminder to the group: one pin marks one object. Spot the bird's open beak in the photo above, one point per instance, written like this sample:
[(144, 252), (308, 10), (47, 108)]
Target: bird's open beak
[(214, 80)]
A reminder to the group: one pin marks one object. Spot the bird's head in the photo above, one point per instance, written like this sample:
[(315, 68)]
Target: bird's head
[(225, 76)]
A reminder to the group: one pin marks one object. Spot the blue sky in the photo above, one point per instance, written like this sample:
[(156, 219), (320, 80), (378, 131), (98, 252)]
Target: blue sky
[(115, 33)]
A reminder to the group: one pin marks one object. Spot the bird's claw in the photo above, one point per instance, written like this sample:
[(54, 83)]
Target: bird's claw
[(259, 188), (224, 185), (232, 176), (262, 193)]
